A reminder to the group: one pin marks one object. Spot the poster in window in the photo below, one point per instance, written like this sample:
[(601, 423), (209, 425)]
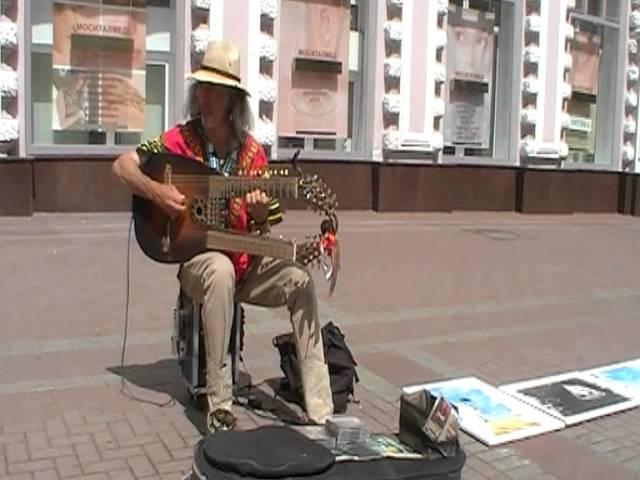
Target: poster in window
[(585, 51), (470, 57), (99, 65), (313, 96)]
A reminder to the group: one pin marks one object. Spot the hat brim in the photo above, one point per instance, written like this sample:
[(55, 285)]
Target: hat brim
[(207, 76)]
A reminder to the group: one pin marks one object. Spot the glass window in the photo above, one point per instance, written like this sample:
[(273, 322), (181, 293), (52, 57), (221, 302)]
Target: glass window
[(593, 79), (320, 62), (608, 9), (156, 112), (612, 11), (470, 88), (100, 70), (581, 5), (594, 7), (586, 48)]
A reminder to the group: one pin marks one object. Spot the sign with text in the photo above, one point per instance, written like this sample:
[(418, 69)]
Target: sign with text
[(470, 58), (99, 65), (313, 93)]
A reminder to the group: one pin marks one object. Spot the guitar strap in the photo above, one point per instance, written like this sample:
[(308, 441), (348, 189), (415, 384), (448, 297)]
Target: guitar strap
[(243, 157)]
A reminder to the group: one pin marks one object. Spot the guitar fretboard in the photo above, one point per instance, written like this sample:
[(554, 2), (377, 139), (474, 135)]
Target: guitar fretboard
[(252, 244), (236, 186)]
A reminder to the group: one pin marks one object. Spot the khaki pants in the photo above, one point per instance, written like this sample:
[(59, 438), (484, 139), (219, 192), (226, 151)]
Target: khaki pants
[(209, 278)]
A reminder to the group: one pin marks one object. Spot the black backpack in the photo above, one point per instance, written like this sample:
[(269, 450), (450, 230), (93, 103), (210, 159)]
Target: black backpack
[(342, 367)]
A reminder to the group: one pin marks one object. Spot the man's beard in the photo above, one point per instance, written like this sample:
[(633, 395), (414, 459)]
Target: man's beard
[(210, 122), (213, 125), (216, 127)]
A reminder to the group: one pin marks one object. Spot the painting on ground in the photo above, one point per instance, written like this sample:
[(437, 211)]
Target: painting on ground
[(624, 375), (489, 415), (571, 397)]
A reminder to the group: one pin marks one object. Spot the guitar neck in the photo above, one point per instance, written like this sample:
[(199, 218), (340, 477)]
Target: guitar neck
[(237, 186), (252, 244)]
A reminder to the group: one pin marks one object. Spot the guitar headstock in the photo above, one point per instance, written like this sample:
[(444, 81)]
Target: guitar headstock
[(321, 200), (321, 250)]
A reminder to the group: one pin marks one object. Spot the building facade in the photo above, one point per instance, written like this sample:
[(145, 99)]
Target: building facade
[(401, 105)]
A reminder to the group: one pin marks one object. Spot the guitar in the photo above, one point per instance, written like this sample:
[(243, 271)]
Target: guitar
[(201, 226)]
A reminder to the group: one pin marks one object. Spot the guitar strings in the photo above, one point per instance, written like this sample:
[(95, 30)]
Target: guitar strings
[(270, 189), (236, 184), (274, 177), (238, 177)]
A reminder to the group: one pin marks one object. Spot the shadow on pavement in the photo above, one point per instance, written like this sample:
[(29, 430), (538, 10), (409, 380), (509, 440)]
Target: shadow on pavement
[(164, 377)]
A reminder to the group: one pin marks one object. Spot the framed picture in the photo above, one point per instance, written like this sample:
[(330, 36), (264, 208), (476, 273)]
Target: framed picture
[(624, 376), (313, 82), (486, 413), (470, 64), (571, 397)]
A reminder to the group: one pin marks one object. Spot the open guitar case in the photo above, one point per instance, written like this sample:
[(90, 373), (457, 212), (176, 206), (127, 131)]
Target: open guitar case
[(275, 452)]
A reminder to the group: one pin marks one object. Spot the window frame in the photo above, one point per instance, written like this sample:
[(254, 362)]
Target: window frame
[(164, 59), (608, 142), (177, 71), (507, 74), (362, 147)]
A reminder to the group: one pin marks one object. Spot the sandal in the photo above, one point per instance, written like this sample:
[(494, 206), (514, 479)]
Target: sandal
[(220, 419)]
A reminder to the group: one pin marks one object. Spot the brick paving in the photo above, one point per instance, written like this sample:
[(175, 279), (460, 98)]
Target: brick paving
[(421, 297)]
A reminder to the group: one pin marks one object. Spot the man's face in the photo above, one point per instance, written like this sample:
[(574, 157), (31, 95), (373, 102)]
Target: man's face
[(214, 102)]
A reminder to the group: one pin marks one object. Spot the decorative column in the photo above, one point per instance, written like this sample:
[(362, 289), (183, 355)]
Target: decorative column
[(267, 94), (439, 76), (630, 140), (9, 130), (567, 64), (413, 105), (392, 75), (545, 90), (201, 29)]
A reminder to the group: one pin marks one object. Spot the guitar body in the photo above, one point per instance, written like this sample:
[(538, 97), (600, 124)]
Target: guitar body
[(186, 238)]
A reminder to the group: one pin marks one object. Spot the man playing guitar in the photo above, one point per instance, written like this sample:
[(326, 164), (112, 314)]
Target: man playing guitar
[(217, 134)]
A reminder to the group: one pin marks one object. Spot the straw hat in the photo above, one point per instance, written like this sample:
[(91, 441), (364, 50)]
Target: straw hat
[(220, 65)]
